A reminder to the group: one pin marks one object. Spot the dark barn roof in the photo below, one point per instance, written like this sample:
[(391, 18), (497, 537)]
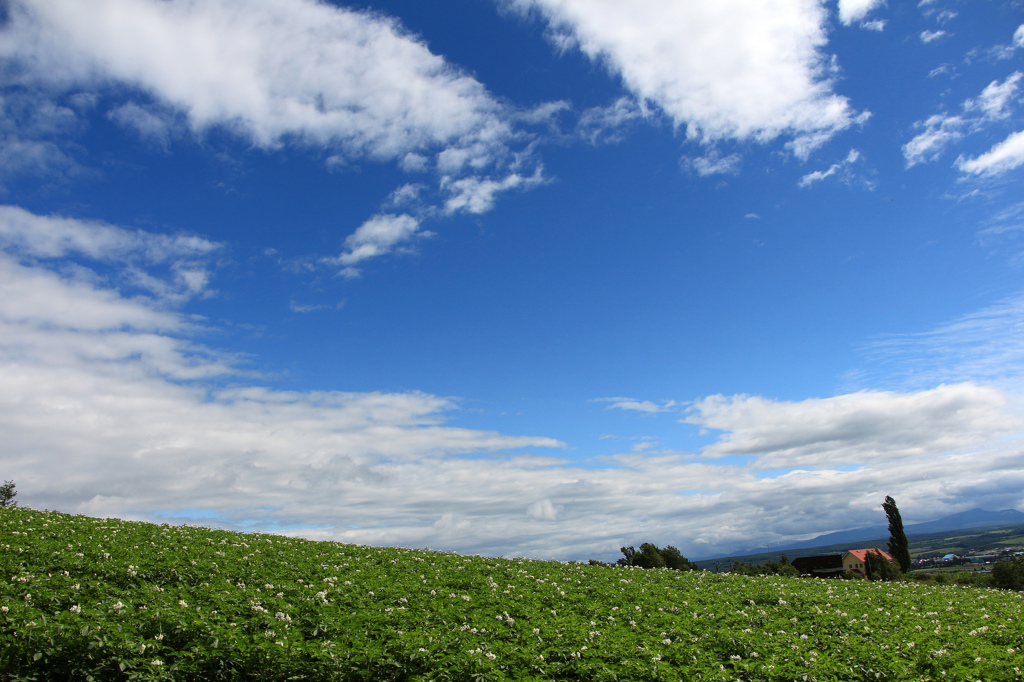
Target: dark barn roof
[(823, 564)]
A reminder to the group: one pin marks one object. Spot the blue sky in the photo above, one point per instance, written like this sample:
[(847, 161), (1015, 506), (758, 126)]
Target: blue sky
[(521, 277)]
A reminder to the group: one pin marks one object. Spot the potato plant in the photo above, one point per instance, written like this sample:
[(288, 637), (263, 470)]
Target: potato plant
[(103, 599)]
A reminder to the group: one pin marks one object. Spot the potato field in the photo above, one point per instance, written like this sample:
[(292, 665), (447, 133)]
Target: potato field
[(103, 599)]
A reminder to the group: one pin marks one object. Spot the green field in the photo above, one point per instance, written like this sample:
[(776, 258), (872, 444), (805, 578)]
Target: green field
[(85, 598)]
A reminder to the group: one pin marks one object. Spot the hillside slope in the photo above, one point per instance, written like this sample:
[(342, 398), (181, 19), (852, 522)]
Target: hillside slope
[(103, 599)]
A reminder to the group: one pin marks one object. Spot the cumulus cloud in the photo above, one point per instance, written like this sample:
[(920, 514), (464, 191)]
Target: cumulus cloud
[(931, 36), (994, 101), (851, 11), (855, 428), (723, 70), (351, 84), (271, 70), (939, 132), (380, 234), (477, 195)]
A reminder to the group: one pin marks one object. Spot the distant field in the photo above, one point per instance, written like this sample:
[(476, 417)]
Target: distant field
[(84, 598)]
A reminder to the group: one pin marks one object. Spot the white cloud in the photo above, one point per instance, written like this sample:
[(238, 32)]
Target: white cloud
[(931, 36), (851, 11), (603, 125), (476, 195), (151, 125), (378, 235), (352, 84), (297, 307), (724, 70), (856, 428), (940, 131), (874, 25), (713, 164), (1018, 36), (55, 237), (984, 347), (995, 98), (33, 137), (543, 510), (637, 405), (182, 273), (1003, 157), (842, 169), (272, 70), (108, 407)]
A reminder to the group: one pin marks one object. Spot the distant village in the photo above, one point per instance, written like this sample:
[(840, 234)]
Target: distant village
[(855, 561), (979, 561)]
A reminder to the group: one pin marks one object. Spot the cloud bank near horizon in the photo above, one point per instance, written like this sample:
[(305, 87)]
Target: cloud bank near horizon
[(105, 385)]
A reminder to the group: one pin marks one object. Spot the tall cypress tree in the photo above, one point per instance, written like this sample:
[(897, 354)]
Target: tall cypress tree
[(899, 546)]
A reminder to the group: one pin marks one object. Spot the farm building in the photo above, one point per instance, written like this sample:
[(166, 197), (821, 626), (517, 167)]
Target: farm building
[(854, 559), (821, 566)]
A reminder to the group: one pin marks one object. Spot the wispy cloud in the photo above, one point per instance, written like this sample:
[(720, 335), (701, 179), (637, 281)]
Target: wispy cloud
[(938, 132), (634, 405), (986, 347), (842, 170), (713, 163), (1003, 157), (931, 36)]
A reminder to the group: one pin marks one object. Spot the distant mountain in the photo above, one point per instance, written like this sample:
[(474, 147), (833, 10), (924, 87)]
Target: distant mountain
[(973, 518)]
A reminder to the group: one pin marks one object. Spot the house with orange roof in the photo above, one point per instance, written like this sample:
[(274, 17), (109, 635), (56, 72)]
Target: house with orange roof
[(854, 560)]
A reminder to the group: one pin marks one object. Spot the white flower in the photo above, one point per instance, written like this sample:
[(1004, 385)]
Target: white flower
[(181, 603), (74, 609), (666, 641), (156, 661), (118, 606), (159, 637)]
